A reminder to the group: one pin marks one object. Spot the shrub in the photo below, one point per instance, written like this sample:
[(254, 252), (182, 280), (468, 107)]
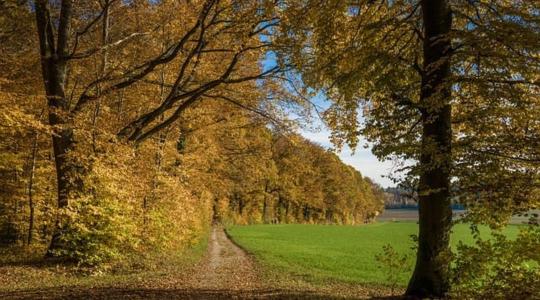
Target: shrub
[(498, 267), (394, 265)]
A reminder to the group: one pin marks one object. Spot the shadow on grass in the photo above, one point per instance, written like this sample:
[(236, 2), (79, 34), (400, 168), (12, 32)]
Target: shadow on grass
[(119, 293)]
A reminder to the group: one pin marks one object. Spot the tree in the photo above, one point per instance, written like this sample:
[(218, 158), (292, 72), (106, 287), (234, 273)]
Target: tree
[(435, 215), (443, 84), (260, 175)]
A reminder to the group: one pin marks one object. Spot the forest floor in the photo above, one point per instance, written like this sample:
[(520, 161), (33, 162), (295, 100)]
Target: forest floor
[(225, 272)]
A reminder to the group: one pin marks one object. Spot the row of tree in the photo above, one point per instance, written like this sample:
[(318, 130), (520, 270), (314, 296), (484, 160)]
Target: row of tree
[(122, 135), (267, 177)]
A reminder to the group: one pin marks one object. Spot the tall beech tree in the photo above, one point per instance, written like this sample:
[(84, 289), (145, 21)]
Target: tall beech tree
[(435, 215), (449, 86)]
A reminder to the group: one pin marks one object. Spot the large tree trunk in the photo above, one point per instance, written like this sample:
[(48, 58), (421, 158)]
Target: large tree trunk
[(430, 277), (53, 51)]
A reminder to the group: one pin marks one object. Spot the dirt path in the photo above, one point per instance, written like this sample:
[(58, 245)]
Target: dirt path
[(226, 266)]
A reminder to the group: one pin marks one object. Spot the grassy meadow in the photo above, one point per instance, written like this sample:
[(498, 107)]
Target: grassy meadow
[(329, 253)]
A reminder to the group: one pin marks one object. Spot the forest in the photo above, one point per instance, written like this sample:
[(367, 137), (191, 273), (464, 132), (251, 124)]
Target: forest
[(121, 190), (135, 131)]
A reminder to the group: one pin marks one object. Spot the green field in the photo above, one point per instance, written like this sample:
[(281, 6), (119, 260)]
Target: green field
[(321, 253)]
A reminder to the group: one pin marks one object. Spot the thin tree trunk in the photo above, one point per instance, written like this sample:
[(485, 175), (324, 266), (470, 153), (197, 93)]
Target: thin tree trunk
[(286, 217), (102, 70), (430, 277), (215, 213), (265, 219), (15, 231), (31, 175), (240, 206)]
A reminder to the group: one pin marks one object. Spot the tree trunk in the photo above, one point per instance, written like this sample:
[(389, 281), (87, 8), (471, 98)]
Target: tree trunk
[(264, 212), (430, 277), (287, 208), (241, 206), (306, 213), (31, 175), (67, 174), (102, 70), (53, 51), (329, 216)]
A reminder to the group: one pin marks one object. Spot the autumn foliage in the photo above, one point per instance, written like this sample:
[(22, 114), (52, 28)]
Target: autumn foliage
[(128, 127), (151, 139)]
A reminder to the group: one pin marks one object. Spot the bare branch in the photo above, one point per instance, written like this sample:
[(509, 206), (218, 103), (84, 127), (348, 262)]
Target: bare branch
[(89, 25), (106, 47), (251, 109)]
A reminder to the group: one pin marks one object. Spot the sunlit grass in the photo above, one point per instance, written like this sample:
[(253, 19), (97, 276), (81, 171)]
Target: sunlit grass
[(335, 253)]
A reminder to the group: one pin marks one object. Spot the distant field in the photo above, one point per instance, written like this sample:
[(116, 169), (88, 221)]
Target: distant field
[(333, 253), (406, 214), (410, 214)]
